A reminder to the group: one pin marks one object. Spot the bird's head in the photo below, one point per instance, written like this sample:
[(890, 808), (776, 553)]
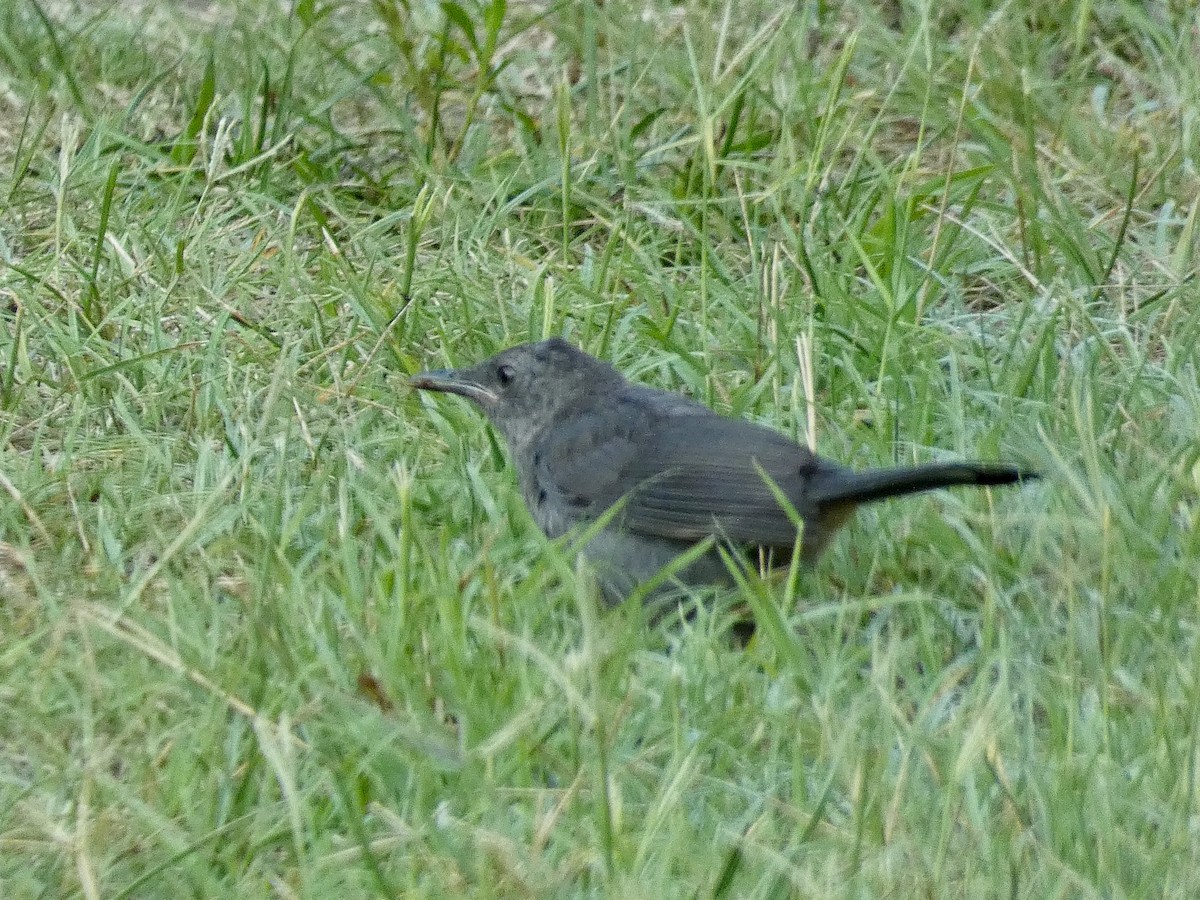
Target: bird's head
[(528, 388)]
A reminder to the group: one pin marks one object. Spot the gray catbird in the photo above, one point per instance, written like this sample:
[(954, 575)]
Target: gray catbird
[(583, 439)]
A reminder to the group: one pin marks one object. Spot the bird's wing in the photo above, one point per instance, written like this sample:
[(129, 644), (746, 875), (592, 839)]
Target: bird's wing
[(685, 475)]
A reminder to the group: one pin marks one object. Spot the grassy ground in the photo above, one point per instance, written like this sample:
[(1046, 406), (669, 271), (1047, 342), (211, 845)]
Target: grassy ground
[(273, 625)]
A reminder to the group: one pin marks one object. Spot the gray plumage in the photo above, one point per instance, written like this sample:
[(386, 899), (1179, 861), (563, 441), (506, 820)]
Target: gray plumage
[(583, 439)]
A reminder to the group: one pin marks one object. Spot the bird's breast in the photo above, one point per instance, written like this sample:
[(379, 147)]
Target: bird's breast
[(549, 510)]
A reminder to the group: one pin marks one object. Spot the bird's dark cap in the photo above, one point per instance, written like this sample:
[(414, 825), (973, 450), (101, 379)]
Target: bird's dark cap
[(452, 381)]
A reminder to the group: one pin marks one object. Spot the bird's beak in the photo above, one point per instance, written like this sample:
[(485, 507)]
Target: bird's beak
[(451, 381)]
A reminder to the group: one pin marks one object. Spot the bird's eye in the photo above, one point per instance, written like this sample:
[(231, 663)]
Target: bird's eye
[(506, 374)]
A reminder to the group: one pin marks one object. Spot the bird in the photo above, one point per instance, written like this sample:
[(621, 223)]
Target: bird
[(648, 475)]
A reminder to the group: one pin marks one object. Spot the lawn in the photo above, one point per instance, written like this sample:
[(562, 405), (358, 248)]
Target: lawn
[(274, 624)]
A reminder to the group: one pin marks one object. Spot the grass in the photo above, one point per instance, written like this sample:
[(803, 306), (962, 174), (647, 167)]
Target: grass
[(274, 625)]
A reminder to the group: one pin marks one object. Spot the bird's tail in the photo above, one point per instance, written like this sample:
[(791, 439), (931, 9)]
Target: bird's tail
[(845, 486)]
